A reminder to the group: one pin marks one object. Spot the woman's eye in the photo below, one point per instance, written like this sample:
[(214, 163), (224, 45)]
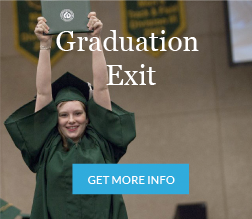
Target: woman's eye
[(78, 113), (63, 115)]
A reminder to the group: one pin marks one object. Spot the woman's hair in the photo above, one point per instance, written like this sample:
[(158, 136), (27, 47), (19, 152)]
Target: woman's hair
[(65, 145)]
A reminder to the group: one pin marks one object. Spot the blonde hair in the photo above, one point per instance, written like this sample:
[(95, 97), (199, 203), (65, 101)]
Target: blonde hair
[(64, 140)]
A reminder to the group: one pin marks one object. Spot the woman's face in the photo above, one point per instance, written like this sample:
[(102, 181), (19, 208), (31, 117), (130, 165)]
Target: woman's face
[(72, 120)]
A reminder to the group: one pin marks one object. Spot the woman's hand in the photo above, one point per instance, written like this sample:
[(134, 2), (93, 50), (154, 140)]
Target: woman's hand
[(41, 28), (100, 73), (94, 24), (43, 77)]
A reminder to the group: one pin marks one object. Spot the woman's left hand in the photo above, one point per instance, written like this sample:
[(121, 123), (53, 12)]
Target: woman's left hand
[(94, 24)]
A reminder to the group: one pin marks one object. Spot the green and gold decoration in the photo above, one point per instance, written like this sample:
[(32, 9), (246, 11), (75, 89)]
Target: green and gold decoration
[(26, 42), (7, 210), (163, 18)]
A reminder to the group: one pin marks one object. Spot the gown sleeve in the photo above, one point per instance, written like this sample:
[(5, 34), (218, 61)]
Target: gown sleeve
[(30, 130), (116, 126)]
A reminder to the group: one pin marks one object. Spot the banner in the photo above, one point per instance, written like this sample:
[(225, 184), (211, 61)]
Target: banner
[(26, 42), (166, 19)]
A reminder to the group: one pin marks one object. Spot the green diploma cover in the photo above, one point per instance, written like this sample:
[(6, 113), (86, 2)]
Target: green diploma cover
[(66, 16)]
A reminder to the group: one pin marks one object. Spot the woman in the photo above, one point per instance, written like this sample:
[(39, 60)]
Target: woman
[(60, 132)]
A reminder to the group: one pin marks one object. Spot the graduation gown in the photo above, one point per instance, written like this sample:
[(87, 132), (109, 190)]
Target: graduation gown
[(105, 141)]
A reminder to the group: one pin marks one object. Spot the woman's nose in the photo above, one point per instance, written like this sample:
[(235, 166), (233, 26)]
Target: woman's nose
[(71, 119)]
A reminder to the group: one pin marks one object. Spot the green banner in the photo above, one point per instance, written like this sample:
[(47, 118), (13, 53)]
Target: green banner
[(163, 18), (26, 42)]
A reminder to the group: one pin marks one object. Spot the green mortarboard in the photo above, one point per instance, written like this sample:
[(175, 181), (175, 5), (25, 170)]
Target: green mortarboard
[(7, 210), (68, 87), (25, 216)]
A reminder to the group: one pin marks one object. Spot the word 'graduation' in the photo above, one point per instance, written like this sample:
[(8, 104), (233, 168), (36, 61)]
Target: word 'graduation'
[(95, 45), (141, 46)]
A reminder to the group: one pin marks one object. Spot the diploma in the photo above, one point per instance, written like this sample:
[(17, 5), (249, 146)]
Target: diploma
[(66, 16)]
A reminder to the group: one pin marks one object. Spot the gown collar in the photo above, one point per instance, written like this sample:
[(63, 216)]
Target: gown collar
[(70, 142)]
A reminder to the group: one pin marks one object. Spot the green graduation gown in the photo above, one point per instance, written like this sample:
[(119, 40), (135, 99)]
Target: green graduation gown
[(105, 141)]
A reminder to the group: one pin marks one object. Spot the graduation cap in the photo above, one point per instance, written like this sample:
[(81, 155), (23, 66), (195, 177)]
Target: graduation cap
[(25, 216), (68, 87), (7, 210)]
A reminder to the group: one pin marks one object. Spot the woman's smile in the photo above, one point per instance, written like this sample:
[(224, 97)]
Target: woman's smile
[(72, 128)]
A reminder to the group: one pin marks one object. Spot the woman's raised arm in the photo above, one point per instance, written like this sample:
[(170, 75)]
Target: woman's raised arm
[(100, 74), (43, 77)]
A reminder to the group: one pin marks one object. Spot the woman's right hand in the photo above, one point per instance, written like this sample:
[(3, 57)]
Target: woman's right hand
[(45, 40)]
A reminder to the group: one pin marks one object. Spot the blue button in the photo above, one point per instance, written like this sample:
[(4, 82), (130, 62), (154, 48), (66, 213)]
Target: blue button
[(130, 178)]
